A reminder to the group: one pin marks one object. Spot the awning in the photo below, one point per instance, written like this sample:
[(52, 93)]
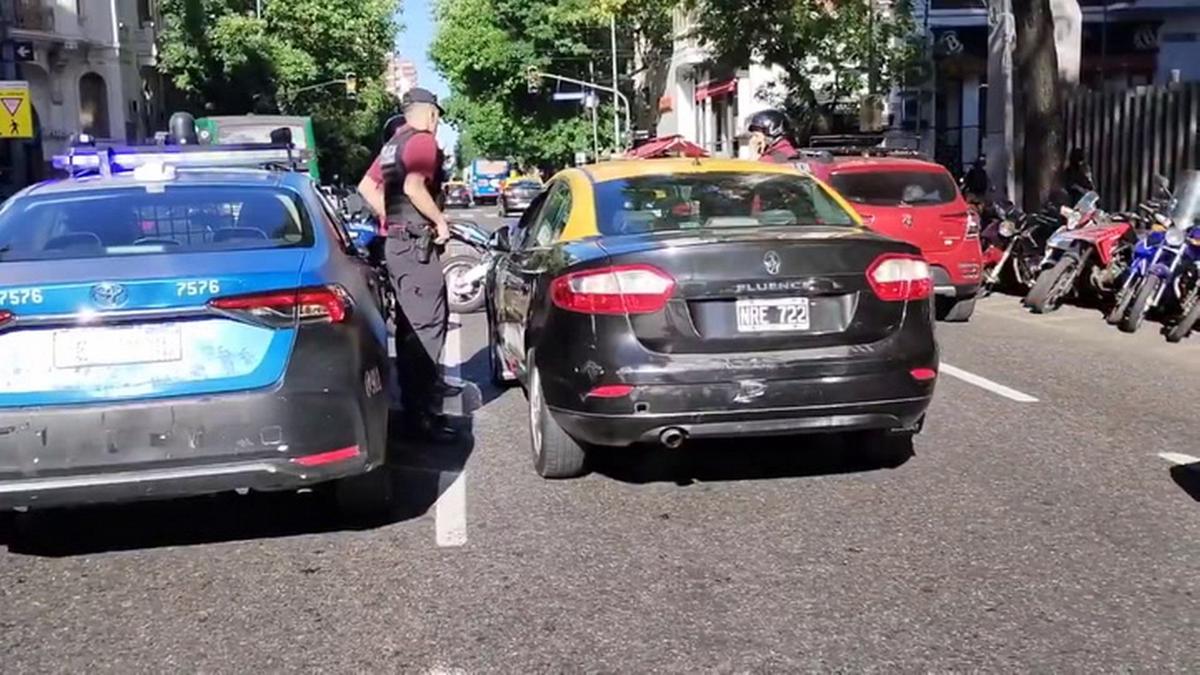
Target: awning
[(670, 146), (714, 89)]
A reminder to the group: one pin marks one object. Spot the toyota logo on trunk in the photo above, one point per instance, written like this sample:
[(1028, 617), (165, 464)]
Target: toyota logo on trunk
[(772, 262), (109, 295)]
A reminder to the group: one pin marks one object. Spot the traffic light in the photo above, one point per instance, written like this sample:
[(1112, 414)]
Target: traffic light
[(351, 85), (533, 79)]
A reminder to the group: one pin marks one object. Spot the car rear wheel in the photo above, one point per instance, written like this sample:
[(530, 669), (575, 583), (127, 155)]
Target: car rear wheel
[(954, 311), (555, 454)]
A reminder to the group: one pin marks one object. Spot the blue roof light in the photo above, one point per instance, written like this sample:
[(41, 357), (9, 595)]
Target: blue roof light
[(87, 160)]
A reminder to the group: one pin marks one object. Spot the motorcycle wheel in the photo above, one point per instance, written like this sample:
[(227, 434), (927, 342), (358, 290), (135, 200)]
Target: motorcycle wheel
[(468, 303), (1121, 305), (1191, 315), (1052, 286), (1146, 290)]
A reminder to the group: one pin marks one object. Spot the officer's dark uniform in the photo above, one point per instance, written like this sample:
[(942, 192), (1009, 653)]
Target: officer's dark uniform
[(420, 286)]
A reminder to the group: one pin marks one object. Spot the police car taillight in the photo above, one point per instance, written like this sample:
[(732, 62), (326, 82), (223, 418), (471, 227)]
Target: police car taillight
[(6, 317), (318, 304)]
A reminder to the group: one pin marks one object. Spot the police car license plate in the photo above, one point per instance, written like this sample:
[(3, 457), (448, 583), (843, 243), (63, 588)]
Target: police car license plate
[(84, 347), (765, 315)]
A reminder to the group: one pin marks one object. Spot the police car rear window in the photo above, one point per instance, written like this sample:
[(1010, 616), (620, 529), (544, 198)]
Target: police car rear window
[(893, 188), (127, 221)]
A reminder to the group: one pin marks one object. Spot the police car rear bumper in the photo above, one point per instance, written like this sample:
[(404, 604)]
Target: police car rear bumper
[(277, 440)]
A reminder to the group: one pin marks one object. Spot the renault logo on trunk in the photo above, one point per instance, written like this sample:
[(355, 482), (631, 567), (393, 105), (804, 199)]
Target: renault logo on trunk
[(109, 296), (772, 263), (907, 220)]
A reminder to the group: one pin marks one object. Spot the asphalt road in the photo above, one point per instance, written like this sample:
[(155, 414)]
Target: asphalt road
[(1047, 521)]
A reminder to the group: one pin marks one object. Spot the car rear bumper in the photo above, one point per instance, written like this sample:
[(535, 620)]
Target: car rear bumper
[(272, 440), (624, 430), (960, 286)]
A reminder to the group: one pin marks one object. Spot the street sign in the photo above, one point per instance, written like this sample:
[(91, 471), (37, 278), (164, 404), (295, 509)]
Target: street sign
[(22, 50), (16, 112), (569, 96)]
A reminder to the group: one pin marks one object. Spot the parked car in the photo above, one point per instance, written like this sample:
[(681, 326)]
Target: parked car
[(655, 301), (184, 331), (456, 195), (901, 195), (517, 195)]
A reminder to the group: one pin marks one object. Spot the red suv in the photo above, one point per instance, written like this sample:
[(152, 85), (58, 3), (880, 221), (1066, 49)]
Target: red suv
[(917, 201)]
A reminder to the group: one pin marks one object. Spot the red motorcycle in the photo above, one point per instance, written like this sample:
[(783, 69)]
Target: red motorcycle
[(1088, 254)]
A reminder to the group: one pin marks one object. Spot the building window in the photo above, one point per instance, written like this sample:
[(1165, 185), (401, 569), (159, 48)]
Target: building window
[(93, 105)]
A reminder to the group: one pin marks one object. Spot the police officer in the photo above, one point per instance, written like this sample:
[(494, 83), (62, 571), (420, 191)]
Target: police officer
[(770, 139), (409, 169)]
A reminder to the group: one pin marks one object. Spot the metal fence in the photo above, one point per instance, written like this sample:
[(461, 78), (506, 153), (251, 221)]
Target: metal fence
[(1131, 136)]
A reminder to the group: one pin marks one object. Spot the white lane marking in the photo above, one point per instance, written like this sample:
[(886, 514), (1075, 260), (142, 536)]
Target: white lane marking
[(1179, 459), (450, 510), (984, 383)]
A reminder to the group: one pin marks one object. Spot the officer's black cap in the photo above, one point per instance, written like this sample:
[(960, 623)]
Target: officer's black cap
[(419, 95)]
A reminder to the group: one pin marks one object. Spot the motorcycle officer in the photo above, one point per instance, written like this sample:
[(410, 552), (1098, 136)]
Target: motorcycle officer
[(769, 137), (405, 187), (1077, 176)]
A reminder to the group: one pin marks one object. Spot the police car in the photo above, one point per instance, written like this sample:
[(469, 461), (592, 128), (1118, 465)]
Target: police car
[(178, 320)]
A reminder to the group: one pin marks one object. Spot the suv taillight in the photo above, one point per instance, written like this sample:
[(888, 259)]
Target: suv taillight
[(895, 278), (621, 289), (317, 304), (972, 224)]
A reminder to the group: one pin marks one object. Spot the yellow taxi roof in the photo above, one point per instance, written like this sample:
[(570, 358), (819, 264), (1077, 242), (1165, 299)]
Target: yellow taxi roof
[(634, 168)]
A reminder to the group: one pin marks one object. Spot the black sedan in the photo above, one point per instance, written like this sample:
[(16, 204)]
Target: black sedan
[(516, 197), (655, 301)]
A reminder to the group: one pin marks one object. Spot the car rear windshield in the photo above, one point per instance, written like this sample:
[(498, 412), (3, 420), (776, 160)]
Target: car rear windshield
[(132, 221), (893, 188), (665, 203)]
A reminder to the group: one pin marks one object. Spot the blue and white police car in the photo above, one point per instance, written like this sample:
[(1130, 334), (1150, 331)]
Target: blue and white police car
[(178, 320)]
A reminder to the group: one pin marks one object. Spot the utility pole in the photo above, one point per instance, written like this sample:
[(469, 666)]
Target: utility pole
[(594, 103), (1000, 126), (616, 86)]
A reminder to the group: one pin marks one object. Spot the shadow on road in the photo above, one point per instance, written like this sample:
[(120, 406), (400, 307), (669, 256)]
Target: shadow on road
[(229, 517), (1187, 476), (477, 370), (751, 459)]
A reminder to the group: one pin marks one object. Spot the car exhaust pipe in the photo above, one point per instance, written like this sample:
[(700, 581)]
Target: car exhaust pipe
[(672, 438)]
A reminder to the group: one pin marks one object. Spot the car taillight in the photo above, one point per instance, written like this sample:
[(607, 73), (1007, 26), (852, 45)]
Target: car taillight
[(5, 317), (318, 304), (895, 277), (972, 225), (622, 289)]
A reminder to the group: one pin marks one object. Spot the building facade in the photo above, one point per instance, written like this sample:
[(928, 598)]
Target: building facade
[(92, 69), (1125, 44)]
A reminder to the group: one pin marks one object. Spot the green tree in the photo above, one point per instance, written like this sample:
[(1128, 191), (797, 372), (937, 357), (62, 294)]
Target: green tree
[(828, 52), (484, 46), (222, 59)]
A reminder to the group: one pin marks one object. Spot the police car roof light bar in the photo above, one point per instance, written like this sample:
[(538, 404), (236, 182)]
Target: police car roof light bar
[(89, 160)]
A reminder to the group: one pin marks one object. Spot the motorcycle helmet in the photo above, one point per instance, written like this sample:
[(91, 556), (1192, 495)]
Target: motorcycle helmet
[(770, 123), (392, 126)]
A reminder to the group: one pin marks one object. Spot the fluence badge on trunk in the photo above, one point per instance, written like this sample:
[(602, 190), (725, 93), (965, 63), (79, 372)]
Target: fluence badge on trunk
[(772, 263), (109, 295)]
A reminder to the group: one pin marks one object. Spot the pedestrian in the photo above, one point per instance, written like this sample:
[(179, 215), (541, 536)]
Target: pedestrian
[(770, 139), (1077, 176), (410, 168), (976, 182)]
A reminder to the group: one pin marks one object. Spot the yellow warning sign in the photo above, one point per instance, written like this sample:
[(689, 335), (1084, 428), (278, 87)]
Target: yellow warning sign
[(16, 112)]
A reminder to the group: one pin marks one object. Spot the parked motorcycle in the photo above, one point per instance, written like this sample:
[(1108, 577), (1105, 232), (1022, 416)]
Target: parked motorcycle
[(1013, 246), (466, 265), (1165, 272), (1090, 253)]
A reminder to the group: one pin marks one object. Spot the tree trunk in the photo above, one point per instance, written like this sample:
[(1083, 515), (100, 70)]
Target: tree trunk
[(1035, 66)]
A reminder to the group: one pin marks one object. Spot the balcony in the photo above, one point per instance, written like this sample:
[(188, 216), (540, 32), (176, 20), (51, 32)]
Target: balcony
[(37, 15)]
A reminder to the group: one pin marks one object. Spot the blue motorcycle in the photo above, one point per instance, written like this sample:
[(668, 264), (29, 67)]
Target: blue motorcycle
[(1163, 272)]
